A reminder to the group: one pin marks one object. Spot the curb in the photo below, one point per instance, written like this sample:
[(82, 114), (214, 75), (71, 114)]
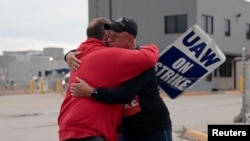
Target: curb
[(187, 93), (198, 93), (197, 135), (191, 93)]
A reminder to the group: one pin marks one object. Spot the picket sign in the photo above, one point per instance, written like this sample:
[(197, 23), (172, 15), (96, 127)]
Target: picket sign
[(187, 61)]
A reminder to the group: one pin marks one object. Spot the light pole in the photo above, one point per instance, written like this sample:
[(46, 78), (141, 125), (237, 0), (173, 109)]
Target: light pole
[(244, 63), (51, 59), (49, 75)]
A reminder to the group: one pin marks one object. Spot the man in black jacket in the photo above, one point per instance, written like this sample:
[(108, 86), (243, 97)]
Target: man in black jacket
[(153, 122)]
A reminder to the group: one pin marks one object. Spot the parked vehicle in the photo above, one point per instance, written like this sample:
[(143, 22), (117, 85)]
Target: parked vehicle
[(65, 81)]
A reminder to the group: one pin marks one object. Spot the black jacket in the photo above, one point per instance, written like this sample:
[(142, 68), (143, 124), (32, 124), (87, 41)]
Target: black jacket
[(154, 113)]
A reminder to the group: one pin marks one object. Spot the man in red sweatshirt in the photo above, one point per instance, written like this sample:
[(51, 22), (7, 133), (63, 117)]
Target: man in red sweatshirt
[(81, 119)]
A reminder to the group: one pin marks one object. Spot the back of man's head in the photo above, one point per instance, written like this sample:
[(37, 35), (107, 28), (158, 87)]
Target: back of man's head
[(96, 28)]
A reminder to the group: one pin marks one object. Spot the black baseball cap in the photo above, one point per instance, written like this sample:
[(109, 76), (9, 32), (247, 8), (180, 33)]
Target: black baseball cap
[(122, 24)]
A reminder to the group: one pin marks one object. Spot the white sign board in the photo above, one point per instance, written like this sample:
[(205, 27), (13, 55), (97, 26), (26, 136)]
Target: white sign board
[(187, 60)]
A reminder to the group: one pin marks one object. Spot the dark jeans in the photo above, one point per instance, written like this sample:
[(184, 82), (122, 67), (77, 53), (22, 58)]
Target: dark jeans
[(162, 135), (87, 139)]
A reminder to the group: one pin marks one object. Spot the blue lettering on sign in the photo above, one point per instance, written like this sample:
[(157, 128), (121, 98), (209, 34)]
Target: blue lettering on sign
[(175, 72), (208, 58)]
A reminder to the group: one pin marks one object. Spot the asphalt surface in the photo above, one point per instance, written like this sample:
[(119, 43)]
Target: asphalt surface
[(33, 117)]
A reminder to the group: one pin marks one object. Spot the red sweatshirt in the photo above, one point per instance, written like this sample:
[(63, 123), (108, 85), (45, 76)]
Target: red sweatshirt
[(101, 67)]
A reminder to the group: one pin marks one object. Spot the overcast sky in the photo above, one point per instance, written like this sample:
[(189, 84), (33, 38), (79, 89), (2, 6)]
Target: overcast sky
[(35, 24)]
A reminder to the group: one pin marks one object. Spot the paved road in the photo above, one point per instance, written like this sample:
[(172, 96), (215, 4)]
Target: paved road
[(196, 112), (32, 117)]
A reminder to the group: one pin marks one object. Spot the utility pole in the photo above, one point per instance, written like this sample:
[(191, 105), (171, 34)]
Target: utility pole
[(244, 63)]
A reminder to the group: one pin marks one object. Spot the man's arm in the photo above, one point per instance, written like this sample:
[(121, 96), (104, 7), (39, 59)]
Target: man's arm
[(74, 63), (131, 63), (65, 56), (121, 94), (72, 60)]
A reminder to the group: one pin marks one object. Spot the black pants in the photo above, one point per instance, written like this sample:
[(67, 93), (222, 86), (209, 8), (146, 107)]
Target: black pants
[(87, 139)]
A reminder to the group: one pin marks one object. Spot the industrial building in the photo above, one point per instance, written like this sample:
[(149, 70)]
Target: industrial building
[(160, 22), (21, 67), (163, 21)]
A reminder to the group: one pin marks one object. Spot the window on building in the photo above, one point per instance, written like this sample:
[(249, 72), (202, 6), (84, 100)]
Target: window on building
[(208, 24), (227, 27), (175, 24), (226, 69), (248, 32), (215, 72), (211, 75)]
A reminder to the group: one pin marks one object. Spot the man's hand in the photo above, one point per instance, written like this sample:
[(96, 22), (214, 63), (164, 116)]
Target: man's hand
[(73, 62), (81, 88)]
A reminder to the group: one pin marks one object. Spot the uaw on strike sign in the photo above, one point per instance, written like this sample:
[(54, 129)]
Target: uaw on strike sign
[(187, 60)]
